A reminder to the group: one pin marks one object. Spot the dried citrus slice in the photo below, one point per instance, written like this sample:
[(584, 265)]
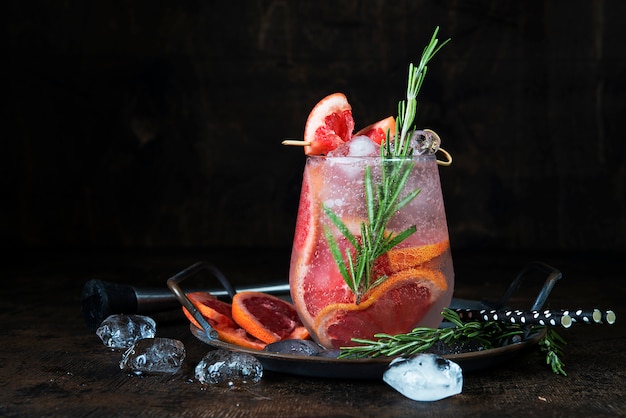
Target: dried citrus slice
[(267, 317), (415, 290), (329, 124), (218, 315), (377, 132)]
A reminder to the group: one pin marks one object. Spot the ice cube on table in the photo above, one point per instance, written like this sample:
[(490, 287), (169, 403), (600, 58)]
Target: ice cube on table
[(220, 366), (154, 355), (424, 377), (122, 331)]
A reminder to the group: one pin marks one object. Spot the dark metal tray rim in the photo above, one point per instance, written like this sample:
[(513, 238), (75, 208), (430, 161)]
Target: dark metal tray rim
[(368, 368)]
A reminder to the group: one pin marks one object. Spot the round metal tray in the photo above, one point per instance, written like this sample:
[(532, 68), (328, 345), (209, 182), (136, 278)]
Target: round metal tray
[(371, 368)]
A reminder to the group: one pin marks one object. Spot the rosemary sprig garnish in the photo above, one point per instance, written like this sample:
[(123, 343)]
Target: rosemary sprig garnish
[(407, 109), (382, 201), (384, 198), (485, 335)]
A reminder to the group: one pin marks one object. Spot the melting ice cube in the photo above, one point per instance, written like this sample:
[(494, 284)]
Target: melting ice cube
[(424, 377), (363, 146), (425, 142), (122, 331), (358, 146), (154, 355), (225, 366)]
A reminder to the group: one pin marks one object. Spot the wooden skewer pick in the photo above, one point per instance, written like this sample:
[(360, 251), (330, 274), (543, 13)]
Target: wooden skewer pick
[(296, 142)]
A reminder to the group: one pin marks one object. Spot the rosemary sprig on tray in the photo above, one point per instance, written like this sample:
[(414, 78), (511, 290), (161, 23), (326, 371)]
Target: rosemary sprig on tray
[(384, 198), (485, 335), (551, 344)]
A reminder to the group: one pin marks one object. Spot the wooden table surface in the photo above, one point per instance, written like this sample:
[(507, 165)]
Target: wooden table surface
[(52, 365)]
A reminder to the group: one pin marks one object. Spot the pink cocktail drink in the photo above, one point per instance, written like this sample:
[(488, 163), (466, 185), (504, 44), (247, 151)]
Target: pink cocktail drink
[(408, 285)]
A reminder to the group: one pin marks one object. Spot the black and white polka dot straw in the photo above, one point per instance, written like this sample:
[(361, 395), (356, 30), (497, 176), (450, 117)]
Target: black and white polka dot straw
[(564, 318)]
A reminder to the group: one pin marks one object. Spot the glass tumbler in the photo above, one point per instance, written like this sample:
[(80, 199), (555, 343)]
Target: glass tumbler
[(401, 285)]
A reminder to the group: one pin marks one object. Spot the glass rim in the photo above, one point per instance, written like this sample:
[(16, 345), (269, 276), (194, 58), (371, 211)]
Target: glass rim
[(371, 157)]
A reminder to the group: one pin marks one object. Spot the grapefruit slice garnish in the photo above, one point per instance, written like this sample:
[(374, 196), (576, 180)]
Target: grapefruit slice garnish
[(267, 317), (307, 229), (393, 307), (377, 132), (329, 124), (219, 315), (308, 211), (315, 280)]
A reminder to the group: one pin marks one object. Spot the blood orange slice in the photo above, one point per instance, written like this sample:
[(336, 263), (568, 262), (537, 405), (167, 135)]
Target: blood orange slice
[(377, 132), (329, 124), (399, 259), (218, 315), (267, 317), (395, 306)]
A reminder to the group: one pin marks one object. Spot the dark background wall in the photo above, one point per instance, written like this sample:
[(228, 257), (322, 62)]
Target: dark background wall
[(157, 124)]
